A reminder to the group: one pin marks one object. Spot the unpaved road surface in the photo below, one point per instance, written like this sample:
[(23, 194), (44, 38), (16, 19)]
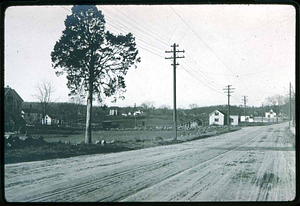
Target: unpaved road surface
[(252, 164)]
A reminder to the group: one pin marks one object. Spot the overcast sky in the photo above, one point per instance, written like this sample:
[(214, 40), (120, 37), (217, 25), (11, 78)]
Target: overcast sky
[(251, 47)]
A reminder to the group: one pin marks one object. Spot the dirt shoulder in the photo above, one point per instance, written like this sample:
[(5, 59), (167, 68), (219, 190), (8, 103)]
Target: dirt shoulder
[(36, 149)]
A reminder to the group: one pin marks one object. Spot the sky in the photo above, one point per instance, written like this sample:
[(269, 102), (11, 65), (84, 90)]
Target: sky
[(251, 47)]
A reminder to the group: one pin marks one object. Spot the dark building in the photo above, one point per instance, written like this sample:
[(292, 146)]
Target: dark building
[(13, 105)]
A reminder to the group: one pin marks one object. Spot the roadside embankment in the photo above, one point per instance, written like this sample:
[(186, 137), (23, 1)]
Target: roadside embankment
[(291, 132), (26, 149)]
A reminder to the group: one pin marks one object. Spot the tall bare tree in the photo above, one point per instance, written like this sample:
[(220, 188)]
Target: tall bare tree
[(148, 107), (78, 101), (44, 93), (276, 102), (193, 106)]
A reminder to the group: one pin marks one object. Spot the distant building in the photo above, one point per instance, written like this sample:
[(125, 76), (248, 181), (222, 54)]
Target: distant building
[(193, 123), (247, 118), (138, 113), (270, 114), (218, 117), (113, 111), (32, 116), (47, 120), (13, 105), (234, 119)]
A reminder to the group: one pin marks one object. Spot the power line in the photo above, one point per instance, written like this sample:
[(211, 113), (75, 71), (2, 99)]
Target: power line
[(207, 77), (200, 80), (197, 66), (259, 72), (210, 48), (159, 37), (65, 8), (140, 36), (201, 39), (114, 21), (195, 75)]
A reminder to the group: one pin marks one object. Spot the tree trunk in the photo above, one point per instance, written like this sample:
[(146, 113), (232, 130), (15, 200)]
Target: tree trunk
[(89, 106), (88, 129)]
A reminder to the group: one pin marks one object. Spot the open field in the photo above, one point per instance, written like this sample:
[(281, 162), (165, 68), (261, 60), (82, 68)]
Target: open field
[(110, 135), (251, 164), (116, 135), (24, 149)]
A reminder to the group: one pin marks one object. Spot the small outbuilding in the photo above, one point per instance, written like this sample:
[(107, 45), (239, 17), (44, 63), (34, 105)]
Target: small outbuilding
[(47, 120)]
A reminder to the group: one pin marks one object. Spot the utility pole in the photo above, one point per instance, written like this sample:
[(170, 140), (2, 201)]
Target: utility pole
[(134, 115), (228, 91), (262, 116), (290, 107), (293, 101), (174, 84), (245, 100)]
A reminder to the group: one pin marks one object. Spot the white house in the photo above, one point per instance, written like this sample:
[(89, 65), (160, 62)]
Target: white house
[(270, 114), (247, 118), (216, 117), (113, 112), (220, 118), (234, 119), (46, 120), (138, 113)]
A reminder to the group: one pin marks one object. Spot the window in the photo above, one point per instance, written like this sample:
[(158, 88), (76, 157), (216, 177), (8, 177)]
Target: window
[(216, 119), (9, 98), (216, 113)]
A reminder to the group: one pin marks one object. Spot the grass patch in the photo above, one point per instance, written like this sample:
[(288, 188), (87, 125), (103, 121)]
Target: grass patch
[(55, 147)]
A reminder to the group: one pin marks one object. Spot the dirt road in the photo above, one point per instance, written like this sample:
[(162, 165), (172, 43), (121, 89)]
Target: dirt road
[(252, 164)]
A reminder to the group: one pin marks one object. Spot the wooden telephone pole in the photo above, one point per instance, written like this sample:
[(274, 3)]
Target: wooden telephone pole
[(174, 57), (290, 107), (228, 91), (263, 112), (245, 101)]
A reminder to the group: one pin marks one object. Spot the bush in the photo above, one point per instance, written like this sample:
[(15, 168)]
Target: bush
[(158, 138)]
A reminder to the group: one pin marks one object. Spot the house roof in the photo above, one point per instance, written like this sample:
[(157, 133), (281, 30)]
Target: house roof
[(231, 113), (218, 111), (8, 90), (224, 112), (271, 110)]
